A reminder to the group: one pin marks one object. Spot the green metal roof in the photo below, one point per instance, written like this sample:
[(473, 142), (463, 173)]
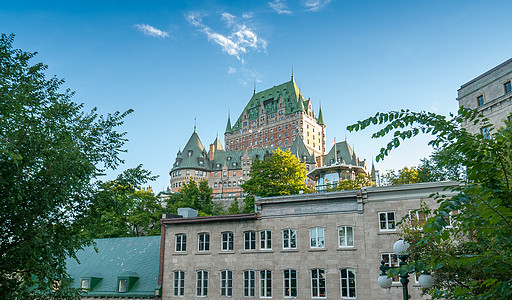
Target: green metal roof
[(290, 94), (300, 151), (136, 258), (320, 117), (345, 155), (193, 155)]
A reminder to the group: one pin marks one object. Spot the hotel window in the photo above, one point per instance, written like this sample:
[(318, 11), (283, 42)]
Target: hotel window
[(249, 240), (348, 283), (181, 242), (486, 132), (249, 283), (265, 284), (179, 283), (226, 283), (290, 283), (316, 236), (289, 239), (507, 87), (387, 221), (204, 242), (202, 283), (227, 241), (346, 236), (266, 240), (318, 283), (480, 100), (418, 218), (391, 260), (122, 286)]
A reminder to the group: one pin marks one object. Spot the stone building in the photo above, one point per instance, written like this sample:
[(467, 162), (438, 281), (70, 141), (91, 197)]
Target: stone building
[(310, 246), (491, 95)]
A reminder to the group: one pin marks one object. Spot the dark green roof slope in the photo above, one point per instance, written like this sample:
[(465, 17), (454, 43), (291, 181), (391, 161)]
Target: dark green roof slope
[(126, 257), (193, 155), (289, 93), (300, 151), (228, 126), (320, 117), (345, 155)]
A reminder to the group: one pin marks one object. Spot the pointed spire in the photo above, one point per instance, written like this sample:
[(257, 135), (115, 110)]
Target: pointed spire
[(292, 72), (228, 126), (320, 116), (195, 120), (254, 87)]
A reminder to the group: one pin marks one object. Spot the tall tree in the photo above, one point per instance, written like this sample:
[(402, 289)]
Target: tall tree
[(122, 208), (466, 241), (51, 153), (278, 174), (198, 196), (403, 176)]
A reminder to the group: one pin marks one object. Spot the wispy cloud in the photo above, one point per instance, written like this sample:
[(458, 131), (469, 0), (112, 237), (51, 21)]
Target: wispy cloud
[(151, 31), (231, 70), (316, 5), (240, 39), (280, 6)]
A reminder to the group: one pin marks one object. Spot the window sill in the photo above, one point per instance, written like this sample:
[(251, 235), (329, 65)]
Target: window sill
[(180, 253), (249, 251), (347, 249), (289, 250), (227, 252), (387, 232), (203, 253), (266, 251), (316, 249)]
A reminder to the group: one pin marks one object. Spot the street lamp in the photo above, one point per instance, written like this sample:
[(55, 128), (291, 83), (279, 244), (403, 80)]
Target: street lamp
[(401, 249)]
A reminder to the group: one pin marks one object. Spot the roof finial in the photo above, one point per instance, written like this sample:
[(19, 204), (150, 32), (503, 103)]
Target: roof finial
[(254, 86), (345, 136), (195, 119), (292, 72)]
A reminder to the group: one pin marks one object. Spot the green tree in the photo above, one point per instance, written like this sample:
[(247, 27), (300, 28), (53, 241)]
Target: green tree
[(358, 182), (234, 208), (404, 176), (466, 241), (248, 207), (442, 165), (122, 208), (196, 196), (51, 153), (278, 174)]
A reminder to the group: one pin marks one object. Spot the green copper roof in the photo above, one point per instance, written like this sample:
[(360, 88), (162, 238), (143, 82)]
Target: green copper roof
[(345, 155), (228, 126), (268, 101), (300, 151), (193, 155), (135, 258), (320, 117)]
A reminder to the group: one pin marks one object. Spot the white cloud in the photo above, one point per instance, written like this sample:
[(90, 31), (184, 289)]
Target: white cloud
[(151, 31), (316, 5), (239, 41), (231, 70), (280, 6)]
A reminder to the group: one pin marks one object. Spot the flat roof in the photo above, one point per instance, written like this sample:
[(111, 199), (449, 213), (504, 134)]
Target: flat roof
[(486, 73), (209, 219)]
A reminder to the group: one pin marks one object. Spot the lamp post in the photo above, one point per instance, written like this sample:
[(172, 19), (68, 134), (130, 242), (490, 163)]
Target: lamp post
[(401, 249)]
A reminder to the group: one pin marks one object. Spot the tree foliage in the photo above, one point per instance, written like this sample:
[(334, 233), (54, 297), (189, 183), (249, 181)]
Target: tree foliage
[(196, 196), (122, 208), (404, 176), (358, 182), (473, 258), (278, 174), (51, 152)]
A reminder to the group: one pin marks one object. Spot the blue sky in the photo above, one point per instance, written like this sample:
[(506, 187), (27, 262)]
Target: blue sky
[(173, 61)]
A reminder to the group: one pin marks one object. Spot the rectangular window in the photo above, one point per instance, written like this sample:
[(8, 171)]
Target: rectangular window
[(266, 239), (346, 236), (387, 220), (265, 284), (316, 236), (486, 132), (181, 242), (202, 284), (226, 283), (204, 242), (418, 218), (249, 240), (289, 239), (85, 284), (507, 87), (227, 241), (249, 283), (290, 283), (179, 283), (348, 283), (318, 283), (480, 100), (123, 286), (391, 260)]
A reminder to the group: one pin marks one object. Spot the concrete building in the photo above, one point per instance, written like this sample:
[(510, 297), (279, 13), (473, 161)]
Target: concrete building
[(491, 95), (326, 246)]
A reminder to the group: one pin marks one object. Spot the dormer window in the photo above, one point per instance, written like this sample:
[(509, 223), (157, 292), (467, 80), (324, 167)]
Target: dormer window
[(123, 286), (234, 164), (85, 284), (218, 165), (229, 158), (190, 153)]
